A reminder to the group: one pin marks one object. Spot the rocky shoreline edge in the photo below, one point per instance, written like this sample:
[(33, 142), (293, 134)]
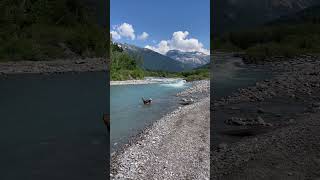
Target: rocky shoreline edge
[(149, 80), (53, 66), (124, 162), (285, 144)]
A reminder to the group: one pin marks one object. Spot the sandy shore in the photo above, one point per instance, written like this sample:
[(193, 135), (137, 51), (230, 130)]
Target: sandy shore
[(54, 66), (270, 130), (174, 147)]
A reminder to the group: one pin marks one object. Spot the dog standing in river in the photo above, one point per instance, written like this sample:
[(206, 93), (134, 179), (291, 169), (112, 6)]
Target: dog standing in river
[(146, 101)]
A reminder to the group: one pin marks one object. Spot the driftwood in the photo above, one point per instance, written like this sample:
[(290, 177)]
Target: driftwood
[(106, 120)]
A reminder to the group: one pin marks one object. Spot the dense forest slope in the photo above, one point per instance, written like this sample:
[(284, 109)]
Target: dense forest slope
[(127, 65), (288, 36), (46, 30), (230, 15)]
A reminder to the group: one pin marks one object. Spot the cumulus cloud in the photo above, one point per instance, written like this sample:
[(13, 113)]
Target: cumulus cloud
[(179, 41), (124, 30), (162, 47), (115, 35), (143, 36)]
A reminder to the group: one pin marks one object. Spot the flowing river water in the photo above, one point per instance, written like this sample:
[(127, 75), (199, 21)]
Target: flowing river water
[(51, 126), (229, 73), (129, 115)]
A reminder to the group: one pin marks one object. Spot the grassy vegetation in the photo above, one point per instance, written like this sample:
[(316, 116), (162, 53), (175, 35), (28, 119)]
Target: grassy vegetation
[(197, 74), (193, 75), (287, 37), (125, 67), (46, 29)]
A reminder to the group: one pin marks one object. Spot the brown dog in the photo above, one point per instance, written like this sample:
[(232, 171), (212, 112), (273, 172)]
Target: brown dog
[(146, 101)]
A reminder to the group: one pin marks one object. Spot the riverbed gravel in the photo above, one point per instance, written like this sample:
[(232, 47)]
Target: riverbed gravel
[(53, 66), (291, 150), (174, 147), (146, 80), (198, 87), (295, 78)]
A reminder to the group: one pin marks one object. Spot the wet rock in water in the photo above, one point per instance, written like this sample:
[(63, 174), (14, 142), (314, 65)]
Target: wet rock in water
[(80, 62), (260, 120), (260, 110), (234, 108)]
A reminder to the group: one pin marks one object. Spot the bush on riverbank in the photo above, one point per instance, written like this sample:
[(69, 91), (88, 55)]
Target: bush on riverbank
[(124, 67), (193, 75), (197, 74), (45, 30)]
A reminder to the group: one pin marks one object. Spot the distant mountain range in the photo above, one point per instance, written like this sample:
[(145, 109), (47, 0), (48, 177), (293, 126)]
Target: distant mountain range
[(192, 59), (173, 61), (233, 15)]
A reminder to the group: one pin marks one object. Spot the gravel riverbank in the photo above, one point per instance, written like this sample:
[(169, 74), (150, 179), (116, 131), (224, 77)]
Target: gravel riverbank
[(54, 66), (147, 80), (174, 147), (270, 130)]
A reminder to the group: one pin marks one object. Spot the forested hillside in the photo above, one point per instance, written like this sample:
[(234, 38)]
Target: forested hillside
[(230, 15), (46, 30), (123, 65), (288, 36), (126, 66)]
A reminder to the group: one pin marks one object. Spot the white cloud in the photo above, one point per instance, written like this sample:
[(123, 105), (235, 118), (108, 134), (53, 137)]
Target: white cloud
[(126, 30), (180, 42), (114, 26), (143, 36), (115, 35), (162, 47)]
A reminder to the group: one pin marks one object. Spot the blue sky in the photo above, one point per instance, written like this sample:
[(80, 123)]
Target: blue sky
[(159, 19)]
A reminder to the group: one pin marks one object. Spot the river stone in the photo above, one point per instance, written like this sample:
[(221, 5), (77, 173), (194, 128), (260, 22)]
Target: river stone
[(260, 110), (260, 120), (222, 146)]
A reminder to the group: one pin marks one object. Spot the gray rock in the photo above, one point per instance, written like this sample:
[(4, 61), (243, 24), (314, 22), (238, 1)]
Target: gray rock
[(260, 110), (222, 146), (260, 120), (316, 104)]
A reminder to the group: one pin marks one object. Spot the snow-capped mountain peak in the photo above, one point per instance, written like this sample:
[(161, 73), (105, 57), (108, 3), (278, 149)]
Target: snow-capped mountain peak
[(195, 58)]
